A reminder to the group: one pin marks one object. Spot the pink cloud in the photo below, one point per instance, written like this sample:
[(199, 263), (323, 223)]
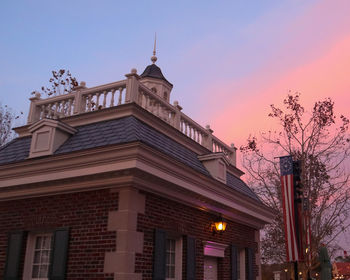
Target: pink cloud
[(318, 70)]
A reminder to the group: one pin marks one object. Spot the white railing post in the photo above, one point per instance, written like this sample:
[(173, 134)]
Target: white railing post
[(132, 87), (177, 116), (78, 103), (233, 155), (34, 110), (208, 138)]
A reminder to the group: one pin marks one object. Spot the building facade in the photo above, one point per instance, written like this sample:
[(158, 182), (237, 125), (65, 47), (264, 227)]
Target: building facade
[(114, 182)]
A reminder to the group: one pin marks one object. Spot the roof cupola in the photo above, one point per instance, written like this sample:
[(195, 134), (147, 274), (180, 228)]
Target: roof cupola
[(153, 78)]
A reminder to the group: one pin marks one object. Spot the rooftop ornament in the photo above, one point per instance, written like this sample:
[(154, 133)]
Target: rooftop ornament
[(154, 58)]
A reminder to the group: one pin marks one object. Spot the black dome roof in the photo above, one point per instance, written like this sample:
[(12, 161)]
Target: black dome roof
[(153, 71)]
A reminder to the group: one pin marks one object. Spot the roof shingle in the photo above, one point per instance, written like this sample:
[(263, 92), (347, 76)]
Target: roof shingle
[(119, 131)]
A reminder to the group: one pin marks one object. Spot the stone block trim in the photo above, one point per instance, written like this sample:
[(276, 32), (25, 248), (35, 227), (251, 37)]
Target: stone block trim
[(129, 241)]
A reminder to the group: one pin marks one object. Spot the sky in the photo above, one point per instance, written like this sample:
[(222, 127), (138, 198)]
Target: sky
[(228, 60)]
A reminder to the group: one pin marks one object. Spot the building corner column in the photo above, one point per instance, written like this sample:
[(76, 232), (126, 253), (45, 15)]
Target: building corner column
[(129, 241)]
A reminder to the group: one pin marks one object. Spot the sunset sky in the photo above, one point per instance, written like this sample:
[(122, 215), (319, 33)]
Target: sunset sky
[(228, 60)]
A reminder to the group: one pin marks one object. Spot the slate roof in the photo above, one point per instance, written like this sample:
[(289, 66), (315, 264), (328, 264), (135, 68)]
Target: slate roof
[(16, 150), (240, 186), (118, 131), (153, 71)]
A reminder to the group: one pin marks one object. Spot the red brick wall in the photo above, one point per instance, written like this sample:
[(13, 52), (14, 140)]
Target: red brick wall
[(172, 216), (85, 214)]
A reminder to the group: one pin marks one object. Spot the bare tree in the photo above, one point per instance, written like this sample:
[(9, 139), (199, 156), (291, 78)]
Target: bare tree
[(321, 141), (7, 118), (61, 82)]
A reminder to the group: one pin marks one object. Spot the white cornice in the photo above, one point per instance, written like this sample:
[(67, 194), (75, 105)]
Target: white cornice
[(192, 187)]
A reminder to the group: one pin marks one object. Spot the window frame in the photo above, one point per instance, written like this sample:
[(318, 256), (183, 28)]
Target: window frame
[(178, 256), (241, 264), (29, 253)]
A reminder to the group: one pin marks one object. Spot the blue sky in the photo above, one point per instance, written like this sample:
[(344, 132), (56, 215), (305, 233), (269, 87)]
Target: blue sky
[(100, 41)]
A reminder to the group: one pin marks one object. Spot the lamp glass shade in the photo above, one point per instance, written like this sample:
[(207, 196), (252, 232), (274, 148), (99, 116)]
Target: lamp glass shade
[(220, 226)]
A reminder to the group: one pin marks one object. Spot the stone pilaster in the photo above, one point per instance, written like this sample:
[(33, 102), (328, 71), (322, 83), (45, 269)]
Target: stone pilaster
[(121, 262)]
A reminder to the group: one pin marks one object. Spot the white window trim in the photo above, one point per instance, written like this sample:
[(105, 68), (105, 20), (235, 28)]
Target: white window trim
[(241, 256), (29, 255), (178, 257)]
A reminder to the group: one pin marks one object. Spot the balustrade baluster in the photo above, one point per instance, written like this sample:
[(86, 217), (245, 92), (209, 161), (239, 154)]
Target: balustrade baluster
[(141, 99), (120, 96), (63, 108), (105, 98), (151, 104), (89, 102), (158, 110), (112, 98), (55, 112), (97, 100), (146, 102), (70, 103), (42, 112)]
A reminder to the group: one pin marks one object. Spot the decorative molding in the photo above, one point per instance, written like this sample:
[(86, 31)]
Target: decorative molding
[(214, 249)]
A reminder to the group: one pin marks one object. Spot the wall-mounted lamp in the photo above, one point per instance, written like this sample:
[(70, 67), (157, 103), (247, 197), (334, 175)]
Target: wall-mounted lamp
[(219, 226)]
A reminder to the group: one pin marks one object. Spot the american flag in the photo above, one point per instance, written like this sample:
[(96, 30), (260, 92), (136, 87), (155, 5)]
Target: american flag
[(286, 165)]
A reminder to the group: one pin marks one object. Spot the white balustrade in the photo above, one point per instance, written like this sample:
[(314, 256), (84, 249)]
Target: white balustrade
[(155, 105), (77, 102), (84, 100)]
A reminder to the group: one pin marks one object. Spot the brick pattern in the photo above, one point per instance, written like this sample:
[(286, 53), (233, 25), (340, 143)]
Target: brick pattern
[(85, 214), (175, 217)]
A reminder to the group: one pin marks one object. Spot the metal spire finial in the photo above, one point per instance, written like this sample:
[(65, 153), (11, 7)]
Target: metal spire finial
[(154, 58)]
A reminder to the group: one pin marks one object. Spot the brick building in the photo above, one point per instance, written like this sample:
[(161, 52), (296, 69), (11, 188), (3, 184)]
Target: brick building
[(114, 182)]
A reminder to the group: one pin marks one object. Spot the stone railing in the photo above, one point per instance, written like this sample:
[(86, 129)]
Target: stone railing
[(79, 101), (84, 99)]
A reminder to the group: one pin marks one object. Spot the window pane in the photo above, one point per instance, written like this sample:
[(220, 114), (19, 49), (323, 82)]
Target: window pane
[(46, 242), (44, 269), (38, 242), (35, 273), (36, 257), (45, 257)]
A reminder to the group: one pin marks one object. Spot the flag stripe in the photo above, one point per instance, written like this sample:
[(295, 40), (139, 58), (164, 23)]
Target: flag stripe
[(289, 216)]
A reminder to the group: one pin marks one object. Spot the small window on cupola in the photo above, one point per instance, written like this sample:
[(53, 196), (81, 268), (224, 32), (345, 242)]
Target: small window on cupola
[(154, 90), (165, 96)]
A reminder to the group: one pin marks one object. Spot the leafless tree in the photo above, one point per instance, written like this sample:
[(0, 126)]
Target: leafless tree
[(61, 82), (321, 141), (7, 118)]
